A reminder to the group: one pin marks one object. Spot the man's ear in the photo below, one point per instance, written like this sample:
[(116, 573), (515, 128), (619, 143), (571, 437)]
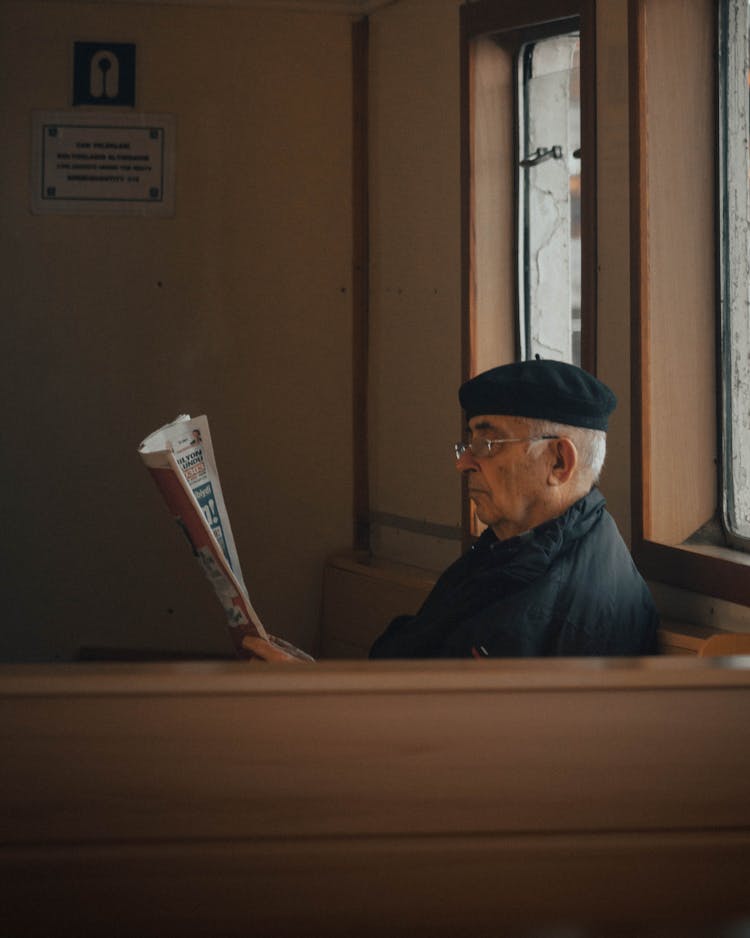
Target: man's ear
[(565, 461)]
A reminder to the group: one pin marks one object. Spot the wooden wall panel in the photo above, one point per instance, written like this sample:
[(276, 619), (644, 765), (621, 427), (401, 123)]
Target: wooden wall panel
[(681, 287), (493, 224)]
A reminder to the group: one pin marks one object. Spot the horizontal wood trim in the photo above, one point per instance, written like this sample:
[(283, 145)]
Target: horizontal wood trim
[(376, 568), (694, 570), (450, 532), (342, 7), (386, 886), (252, 678), (486, 16)]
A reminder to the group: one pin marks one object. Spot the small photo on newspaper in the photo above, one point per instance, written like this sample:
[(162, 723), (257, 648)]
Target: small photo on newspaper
[(180, 458)]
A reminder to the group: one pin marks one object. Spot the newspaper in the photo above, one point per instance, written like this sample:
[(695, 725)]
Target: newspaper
[(180, 457)]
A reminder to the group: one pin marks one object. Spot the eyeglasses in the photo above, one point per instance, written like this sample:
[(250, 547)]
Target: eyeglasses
[(481, 448)]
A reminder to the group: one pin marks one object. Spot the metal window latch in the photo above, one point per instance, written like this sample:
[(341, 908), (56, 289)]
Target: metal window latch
[(541, 155)]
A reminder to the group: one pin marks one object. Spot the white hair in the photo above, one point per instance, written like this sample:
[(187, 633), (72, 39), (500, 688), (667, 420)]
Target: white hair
[(590, 444)]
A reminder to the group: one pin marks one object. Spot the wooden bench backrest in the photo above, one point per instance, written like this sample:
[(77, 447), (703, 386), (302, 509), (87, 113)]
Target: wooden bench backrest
[(373, 798), (360, 599)]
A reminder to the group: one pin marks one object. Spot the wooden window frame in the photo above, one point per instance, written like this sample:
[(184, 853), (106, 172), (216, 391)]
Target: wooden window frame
[(712, 570), (490, 17)]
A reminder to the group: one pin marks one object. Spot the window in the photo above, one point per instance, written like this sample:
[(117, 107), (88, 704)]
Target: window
[(549, 198), (529, 168), (734, 167)]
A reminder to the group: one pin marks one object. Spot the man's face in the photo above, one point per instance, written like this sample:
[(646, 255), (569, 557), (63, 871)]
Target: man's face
[(508, 487)]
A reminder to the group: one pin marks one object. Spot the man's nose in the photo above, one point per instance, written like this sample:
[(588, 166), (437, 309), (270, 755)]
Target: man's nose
[(466, 462)]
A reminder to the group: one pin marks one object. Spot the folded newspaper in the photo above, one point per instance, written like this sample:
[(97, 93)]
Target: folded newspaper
[(180, 457)]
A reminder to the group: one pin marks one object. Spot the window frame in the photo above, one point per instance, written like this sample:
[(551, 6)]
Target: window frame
[(528, 19), (717, 571), (727, 175)]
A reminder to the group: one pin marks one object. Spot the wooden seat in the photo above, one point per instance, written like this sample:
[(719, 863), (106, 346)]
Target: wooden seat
[(725, 643), (678, 638)]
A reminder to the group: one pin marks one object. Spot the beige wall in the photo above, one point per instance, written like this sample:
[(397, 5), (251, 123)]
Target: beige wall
[(415, 302), (238, 307)]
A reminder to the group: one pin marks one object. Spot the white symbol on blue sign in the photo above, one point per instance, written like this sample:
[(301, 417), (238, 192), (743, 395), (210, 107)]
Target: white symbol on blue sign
[(104, 73), (104, 81)]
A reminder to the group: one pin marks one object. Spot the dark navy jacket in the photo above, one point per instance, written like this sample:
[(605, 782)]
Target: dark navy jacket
[(568, 587)]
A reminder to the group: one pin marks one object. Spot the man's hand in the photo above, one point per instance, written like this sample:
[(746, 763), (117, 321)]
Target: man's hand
[(266, 651)]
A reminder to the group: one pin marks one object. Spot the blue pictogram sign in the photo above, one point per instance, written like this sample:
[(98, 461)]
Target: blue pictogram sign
[(104, 73)]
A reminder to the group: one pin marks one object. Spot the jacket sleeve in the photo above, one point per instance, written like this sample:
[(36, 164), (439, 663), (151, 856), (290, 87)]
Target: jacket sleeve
[(395, 641)]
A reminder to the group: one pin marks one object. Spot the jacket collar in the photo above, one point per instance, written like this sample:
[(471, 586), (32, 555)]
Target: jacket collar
[(526, 557)]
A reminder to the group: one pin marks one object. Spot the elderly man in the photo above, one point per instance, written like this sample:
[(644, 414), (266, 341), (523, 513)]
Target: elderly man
[(550, 575)]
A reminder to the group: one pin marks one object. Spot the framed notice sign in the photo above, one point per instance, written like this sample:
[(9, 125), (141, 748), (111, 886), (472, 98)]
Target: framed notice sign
[(94, 163)]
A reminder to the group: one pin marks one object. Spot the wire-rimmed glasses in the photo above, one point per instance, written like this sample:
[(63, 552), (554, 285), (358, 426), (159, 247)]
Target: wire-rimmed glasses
[(481, 448)]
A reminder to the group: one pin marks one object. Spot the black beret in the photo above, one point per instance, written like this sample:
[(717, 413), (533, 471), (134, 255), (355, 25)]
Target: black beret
[(542, 390)]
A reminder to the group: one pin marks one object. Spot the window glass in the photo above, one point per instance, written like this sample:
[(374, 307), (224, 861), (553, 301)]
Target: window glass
[(549, 198), (734, 123)]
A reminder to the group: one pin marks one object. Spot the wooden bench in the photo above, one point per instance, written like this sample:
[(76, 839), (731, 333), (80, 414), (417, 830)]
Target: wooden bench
[(682, 639), (380, 798)]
